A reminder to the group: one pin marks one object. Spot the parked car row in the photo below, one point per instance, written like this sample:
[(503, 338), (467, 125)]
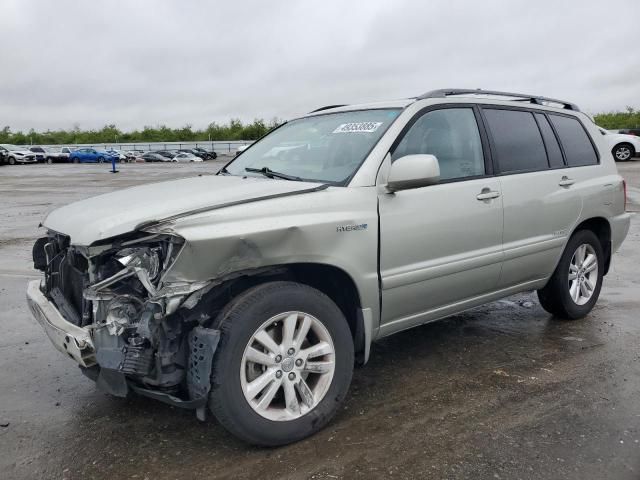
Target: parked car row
[(182, 155), (14, 154)]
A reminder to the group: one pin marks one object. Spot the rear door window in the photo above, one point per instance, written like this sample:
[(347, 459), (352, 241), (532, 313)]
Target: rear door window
[(575, 142), (550, 141), (517, 143)]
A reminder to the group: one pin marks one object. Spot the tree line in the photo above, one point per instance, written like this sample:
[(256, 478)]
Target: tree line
[(618, 120), (235, 129), (232, 130)]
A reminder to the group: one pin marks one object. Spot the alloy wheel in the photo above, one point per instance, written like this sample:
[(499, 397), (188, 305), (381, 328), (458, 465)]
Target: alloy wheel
[(583, 274), (287, 366), (623, 153)]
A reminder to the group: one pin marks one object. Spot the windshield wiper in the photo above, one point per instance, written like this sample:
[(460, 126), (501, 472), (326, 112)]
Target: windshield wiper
[(267, 172)]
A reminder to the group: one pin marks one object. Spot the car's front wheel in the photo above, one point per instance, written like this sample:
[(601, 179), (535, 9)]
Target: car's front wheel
[(49, 160), (12, 161), (283, 365), (623, 152), (574, 287)]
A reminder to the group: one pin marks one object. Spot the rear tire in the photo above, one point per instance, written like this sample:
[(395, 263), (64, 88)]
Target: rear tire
[(623, 152), (574, 298), (286, 417), (100, 160)]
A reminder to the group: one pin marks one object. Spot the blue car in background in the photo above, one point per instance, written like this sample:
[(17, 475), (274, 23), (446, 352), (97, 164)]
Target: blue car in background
[(90, 155)]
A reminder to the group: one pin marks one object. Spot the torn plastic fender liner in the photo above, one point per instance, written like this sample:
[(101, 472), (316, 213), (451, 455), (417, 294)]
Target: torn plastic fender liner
[(203, 343), (202, 346)]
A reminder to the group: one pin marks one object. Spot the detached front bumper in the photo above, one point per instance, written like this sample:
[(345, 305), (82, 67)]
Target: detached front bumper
[(70, 339)]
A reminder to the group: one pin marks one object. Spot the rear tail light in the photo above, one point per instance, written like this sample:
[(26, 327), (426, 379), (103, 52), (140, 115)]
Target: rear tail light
[(624, 188)]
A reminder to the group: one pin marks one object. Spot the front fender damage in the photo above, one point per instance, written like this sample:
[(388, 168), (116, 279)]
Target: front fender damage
[(147, 334)]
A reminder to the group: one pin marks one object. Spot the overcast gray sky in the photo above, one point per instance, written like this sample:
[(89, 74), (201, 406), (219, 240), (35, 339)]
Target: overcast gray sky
[(151, 62)]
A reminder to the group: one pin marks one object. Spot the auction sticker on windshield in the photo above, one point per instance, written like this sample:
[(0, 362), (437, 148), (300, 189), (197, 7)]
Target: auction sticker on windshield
[(358, 127)]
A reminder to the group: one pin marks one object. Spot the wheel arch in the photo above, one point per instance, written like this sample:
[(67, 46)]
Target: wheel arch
[(602, 228), (331, 280), (629, 144)]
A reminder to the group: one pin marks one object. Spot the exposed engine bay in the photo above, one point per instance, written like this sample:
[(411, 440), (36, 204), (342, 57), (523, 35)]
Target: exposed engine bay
[(147, 334)]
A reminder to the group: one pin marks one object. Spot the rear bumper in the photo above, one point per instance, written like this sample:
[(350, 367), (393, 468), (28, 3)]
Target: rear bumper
[(619, 229), (70, 339)]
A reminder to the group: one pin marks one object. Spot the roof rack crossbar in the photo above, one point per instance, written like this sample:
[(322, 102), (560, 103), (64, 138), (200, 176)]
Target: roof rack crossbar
[(327, 107), (535, 99)]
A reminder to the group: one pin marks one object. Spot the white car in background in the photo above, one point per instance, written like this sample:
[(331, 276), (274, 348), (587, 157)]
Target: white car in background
[(186, 157), (623, 147), (17, 154)]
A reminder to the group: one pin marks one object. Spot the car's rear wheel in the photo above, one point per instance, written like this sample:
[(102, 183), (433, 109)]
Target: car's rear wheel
[(623, 152), (283, 365), (100, 160), (575, 285)]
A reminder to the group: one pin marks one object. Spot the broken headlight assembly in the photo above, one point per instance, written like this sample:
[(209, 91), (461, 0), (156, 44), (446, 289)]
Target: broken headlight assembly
[(146, 332), (129, 308)]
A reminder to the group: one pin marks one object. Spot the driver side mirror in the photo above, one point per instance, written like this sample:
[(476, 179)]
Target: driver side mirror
[(413, 171)]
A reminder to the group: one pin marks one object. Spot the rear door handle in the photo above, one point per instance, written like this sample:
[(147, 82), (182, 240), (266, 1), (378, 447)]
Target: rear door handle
[(487, 194), (566, 182)]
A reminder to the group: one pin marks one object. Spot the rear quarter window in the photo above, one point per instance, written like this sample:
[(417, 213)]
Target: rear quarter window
[(576, 144)]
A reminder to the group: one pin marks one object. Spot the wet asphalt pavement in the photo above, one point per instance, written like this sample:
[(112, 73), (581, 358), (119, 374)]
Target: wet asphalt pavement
[(503, 391)]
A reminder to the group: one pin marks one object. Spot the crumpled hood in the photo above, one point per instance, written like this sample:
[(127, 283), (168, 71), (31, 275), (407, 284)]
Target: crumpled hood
[(115, 213)]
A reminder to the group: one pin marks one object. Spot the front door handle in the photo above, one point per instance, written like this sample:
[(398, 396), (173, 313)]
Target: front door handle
[(487, 194), (566, 181)]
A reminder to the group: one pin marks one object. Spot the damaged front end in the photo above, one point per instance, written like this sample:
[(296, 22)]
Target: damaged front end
[(110, 307)]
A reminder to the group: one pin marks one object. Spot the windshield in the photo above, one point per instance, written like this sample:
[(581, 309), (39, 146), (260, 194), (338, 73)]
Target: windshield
[(325, 148), (12, 148)]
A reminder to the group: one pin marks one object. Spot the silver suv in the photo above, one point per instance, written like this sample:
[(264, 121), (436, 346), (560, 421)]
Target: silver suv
[(255, 291)]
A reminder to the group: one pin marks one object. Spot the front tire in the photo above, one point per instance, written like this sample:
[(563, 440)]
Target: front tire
[(574, 287), (623, 152), (49, 160), (283, 365), (12, 161)]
